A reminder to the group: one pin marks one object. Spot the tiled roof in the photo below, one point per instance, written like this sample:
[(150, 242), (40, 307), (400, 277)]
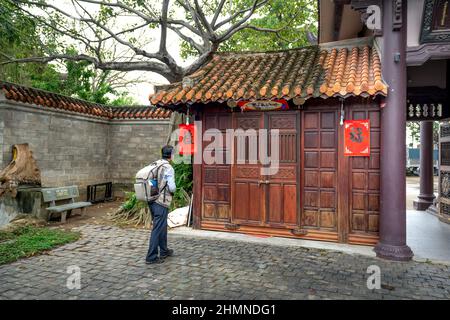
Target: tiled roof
[(141, 112), (336, 69), (55, 101)]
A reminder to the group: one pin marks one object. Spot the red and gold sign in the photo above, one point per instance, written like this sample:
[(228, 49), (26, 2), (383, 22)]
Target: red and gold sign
[(263, 105), (186, 139), (357, 138)]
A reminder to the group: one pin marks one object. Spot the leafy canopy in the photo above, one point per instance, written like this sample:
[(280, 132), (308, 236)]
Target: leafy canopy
[(144, 34), (292, 19), (21, 36)]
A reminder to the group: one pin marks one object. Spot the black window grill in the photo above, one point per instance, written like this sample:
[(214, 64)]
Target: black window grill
[(445, 208), (445, 131), (445, 153)]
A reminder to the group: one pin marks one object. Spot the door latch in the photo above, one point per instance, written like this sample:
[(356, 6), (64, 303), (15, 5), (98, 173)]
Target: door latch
[(231, 226), (299, 232)]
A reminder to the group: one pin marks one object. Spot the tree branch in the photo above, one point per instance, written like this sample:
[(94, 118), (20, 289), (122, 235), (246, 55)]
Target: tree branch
[(256, 5), (152, 66), (137, 50), (163, 23), (60, 28), (217, 13), (203, 20), (101, 36), (188, 8), (189, 40)]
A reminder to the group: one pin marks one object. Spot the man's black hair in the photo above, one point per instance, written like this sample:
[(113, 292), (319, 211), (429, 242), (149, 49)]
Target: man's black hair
[(166, 151)]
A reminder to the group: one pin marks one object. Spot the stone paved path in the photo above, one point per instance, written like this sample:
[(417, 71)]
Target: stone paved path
[(112, 267)]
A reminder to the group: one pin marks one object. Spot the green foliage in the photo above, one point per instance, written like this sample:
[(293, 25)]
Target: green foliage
[(131, 202), (136, 212), (292, 17), (123, 99), (184, 182), (81, 81), (132, 211), (21, 37), (28, 241), (285, 24), (414, 131)]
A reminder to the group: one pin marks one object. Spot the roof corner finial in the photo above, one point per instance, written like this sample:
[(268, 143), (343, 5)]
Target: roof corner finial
[(187, 82)]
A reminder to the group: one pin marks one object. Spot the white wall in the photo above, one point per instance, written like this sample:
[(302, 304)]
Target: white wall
[(415, 16)]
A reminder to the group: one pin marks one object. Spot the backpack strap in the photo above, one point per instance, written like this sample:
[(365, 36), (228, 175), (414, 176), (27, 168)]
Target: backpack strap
[(165, 186), (157, 171), (157, 175)]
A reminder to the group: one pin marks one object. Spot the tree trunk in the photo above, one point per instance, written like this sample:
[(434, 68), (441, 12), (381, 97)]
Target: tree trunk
[(23, 169)]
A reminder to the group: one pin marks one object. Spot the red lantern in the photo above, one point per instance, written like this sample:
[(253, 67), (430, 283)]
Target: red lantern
[(186, 139), (357, 138)]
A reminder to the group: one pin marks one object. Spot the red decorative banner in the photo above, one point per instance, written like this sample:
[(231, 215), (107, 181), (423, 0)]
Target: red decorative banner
[(357, 138), (263, 105), (186, 139)]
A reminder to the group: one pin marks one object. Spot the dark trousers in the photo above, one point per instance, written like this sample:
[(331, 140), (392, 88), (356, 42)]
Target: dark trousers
[(158, 236)]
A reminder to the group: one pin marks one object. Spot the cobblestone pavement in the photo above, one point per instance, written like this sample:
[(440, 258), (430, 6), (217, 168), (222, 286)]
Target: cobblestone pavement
[(112, 267)]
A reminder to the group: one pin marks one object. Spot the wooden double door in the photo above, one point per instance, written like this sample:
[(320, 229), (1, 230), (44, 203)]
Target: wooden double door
[(266, 194)]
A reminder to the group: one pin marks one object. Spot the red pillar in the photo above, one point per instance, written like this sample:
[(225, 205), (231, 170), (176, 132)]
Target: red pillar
[(426, 196), (392, 243)]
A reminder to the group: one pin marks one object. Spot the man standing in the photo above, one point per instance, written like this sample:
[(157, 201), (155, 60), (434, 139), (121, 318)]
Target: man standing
[(160, 209)]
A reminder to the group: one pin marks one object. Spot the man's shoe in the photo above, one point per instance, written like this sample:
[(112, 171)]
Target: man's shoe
[(168, 254), (156, 261)]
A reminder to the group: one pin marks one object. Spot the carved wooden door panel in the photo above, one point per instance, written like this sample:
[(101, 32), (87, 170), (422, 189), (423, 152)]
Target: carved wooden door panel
[(444, 173), (319, 170), (248, 199), (364, 180), (281, 189), (216, 176)]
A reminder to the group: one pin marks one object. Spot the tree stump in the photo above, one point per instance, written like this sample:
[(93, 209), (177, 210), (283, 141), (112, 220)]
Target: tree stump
[(22, 170)]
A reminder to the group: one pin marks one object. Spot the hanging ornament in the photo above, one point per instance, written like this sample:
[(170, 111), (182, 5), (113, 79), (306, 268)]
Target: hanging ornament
[(186, 137)]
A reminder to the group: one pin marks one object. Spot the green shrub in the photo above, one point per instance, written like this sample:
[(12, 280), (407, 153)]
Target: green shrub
[(184, 182), (136, 212), (132, 211)]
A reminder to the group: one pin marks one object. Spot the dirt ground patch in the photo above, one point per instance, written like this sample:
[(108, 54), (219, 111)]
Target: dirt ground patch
[(96, 214)]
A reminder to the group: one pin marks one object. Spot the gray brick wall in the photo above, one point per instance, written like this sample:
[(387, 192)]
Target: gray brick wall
[(133, 146), (72, 149)]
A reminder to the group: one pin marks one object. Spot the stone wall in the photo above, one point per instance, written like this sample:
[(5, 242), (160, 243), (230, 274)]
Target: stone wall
[(68, 150), (81, 150)]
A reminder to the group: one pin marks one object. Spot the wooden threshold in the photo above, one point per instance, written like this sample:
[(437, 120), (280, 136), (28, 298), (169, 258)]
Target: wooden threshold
[(317, 235)]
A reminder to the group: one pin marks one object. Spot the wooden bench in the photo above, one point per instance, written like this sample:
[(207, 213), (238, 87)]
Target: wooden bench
[(63, 193)]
